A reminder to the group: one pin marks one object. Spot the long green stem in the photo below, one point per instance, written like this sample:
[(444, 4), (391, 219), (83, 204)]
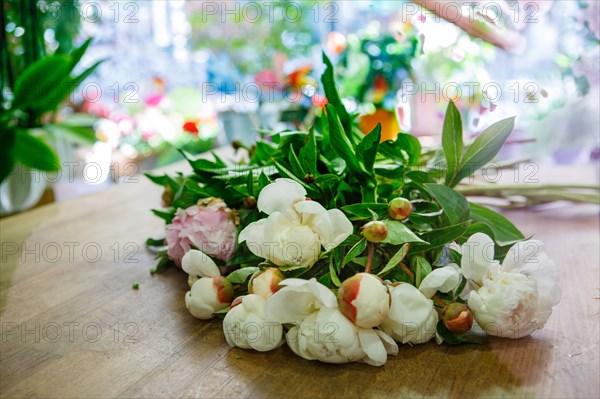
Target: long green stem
[(371, 253), (469, 188)]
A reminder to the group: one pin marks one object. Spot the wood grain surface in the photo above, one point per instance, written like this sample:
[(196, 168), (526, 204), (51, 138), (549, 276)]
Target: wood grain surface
[(73, 327)]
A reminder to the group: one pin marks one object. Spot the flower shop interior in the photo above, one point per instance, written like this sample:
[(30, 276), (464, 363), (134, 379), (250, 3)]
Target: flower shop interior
[(342, 174)]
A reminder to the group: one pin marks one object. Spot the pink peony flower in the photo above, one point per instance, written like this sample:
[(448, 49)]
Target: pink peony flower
[(209, 226)]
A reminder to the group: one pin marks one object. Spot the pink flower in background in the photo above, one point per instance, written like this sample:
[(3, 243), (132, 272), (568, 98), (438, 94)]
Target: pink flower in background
[(209, 226), (154, 100)]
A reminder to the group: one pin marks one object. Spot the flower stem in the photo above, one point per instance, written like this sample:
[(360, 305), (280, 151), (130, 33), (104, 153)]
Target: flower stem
[(439, 300), (371, 253), (407, 270)]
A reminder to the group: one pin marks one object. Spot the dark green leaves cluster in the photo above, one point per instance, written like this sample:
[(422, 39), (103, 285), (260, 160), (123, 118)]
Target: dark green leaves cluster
[(40, 89)]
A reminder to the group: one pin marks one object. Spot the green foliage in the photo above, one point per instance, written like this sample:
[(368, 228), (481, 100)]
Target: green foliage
[(37, 92)]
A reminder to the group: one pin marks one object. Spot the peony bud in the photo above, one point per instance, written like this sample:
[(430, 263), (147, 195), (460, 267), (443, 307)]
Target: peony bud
[(250, 202), (266, 283), (208, 295), (236, 302), (167, 196), (364, 299), (375, 231), (399, 208), (458, 318)]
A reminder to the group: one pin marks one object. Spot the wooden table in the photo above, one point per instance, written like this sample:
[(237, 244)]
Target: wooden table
[(72, 326)]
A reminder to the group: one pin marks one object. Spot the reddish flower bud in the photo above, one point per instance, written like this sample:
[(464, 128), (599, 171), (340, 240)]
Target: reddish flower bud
[(399, 208), (375, 231), (266, 283), (250, 202), (458, 318), (364, 299), (309, 178)]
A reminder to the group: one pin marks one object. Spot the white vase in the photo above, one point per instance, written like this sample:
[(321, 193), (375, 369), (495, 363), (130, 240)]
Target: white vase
[(24, 187), (21, 190)]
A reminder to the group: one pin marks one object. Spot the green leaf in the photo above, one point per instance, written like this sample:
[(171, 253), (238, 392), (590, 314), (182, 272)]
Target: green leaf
[(394, 260), (452, 141), (454, 204), (285, 172), (455, 339), (411, 145), (77, 53), (334, 278), (367, 148), (166, 216), (263, 180), (406, 149), (421, 267), (295, 164), (37, 85), (485, 147), (250, 183), (355, 251), (328, 178), (339, 141), (398, 233), (76, 134), (79, 120), (438, 237), (365, 210), (308, 153), (240, 276), (33, 152), (155, 242), (505, 233), (163, 263), (332, 95)]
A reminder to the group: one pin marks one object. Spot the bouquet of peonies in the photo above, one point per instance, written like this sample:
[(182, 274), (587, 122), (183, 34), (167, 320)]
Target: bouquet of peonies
[(343, 246)]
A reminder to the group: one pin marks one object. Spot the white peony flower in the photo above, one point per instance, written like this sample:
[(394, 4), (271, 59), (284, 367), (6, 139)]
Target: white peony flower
[(322, 332), (364, 299), (329, 337), (208, 295), (512, 299), (296, 229), (412, 318), (247, 327)]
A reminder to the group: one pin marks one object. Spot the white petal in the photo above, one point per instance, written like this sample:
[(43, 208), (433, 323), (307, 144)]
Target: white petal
[(521, 255), (323, 294), (443, 279), (332, 226), (254, 232), (197, 263), (478, 257), (294, 282), (390, 345), (281, 196), (297, 300), (293, 340), (290, 305), (373, 347), (409, 305), (256, 236)]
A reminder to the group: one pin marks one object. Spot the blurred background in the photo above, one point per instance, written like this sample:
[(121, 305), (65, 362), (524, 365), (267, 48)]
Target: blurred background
[(162, 76)]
